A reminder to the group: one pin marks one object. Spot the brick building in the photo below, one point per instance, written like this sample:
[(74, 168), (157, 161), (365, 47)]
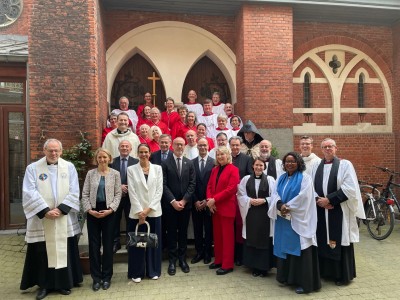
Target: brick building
[(325, 69)]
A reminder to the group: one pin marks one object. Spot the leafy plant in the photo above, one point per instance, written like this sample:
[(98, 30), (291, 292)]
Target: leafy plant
[(274, 152), (80, 154)]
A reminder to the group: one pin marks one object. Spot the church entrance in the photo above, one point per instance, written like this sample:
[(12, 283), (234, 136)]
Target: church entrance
[(12, 150)]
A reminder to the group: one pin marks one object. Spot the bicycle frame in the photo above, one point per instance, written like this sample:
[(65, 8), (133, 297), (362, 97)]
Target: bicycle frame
[(387, 191)]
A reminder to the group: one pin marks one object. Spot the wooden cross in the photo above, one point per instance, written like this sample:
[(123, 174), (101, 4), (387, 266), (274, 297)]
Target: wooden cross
[(154, 79)]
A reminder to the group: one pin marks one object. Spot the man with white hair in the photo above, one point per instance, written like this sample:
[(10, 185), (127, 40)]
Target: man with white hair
[(51, 205), (124, 107), (338, 204), (218, 106), (273, 166)]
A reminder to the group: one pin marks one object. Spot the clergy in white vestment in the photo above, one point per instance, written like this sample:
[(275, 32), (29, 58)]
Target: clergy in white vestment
[(222, 140), (273, 166), (218, 106), (294, 211), (192, 105), (51, 204), (253, 197), (222, 123), (124, 107), (310, 158), (191, 151), (121, 133), (208, 118), (338, 204)]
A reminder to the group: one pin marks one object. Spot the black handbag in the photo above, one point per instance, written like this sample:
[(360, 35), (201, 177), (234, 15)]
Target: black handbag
[(143, 239)]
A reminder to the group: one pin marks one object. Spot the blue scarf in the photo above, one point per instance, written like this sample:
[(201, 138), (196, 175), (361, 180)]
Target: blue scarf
[(286, 240)]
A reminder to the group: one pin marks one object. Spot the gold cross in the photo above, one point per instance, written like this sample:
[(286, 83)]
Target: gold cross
[(154, 79)]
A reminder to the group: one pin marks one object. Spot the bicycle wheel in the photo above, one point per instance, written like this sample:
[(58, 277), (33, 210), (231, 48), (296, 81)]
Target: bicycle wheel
[(381, 226)]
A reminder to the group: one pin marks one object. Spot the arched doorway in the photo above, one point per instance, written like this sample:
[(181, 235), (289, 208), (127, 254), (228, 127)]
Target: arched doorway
[(206, 78), (132, 81)]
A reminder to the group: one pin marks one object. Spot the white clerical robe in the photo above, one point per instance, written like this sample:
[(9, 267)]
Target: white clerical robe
[(310, 161)]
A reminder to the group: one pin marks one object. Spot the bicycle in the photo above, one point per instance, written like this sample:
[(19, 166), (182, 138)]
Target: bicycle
[(380, 214)]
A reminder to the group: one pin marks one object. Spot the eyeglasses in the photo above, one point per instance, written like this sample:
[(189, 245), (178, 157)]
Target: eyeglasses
[(290, 162), (305, 144), (328, 146)]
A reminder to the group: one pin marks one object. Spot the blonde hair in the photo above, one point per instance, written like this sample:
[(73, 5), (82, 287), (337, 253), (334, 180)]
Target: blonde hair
[(225, 150), (152, 129), (102, 150)]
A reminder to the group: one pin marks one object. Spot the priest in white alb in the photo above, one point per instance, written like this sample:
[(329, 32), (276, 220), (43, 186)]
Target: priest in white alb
[(51, 204), (338, 200)]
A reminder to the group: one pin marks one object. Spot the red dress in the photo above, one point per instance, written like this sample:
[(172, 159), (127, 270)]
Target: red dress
[(153, 146), (185, 128), (141, 122), (140, 109), (170, 119), (224, 193), (161, 125)]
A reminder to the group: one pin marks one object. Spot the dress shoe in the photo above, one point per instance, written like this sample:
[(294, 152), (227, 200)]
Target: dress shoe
[(214, 266), (106, 285), (184, 266), (340, 283), (196, 259), (221, 271), (256, 273), (207, 259), (64, 292), (171, 269), (299, 290), (95, 286), (116, 247), (41, 294)]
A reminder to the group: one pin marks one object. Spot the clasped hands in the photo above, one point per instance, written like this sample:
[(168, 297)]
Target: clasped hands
[(53, 214), (200, 205), (211, 205), (100, 214), (324, 203), (179, 205), (257, 202)]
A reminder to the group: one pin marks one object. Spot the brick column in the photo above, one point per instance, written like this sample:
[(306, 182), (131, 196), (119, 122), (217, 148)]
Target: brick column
[(264, 53), (66, 72), (396, 91)]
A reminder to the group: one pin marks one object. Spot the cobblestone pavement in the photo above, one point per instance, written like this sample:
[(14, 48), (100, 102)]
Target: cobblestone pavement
[(378, 277)]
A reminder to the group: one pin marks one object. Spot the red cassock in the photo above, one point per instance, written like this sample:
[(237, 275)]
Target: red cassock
[(224, 194)]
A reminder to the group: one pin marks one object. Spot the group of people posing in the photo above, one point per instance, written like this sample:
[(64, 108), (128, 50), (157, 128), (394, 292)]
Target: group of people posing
[(297, 214)]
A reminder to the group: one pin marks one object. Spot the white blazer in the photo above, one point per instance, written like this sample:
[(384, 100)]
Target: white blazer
[(144, 194)]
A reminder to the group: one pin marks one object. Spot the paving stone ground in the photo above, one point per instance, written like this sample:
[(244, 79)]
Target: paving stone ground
[(378, 277)]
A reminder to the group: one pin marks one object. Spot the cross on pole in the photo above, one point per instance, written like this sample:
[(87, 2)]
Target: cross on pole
[(154, 79)]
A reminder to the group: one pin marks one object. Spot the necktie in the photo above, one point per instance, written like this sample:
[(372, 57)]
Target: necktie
[(123, 171), (202, 166), (178, 165), (163, 155)]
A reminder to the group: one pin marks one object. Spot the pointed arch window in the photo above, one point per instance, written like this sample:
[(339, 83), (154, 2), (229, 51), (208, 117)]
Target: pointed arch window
[(306, 91), (361, 91)]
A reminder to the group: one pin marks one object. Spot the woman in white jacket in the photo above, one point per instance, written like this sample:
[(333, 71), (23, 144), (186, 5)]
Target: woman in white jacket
[(145, 186)]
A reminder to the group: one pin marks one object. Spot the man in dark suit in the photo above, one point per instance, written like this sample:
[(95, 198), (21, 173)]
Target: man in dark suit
[(201, 216), (159, 156), (179, 184), (245, 165), (121, 164)]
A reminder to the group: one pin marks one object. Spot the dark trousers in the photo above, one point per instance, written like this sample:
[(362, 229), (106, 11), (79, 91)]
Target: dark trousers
[(145, 261), (101, 231), (124, 207), (202, 229), (177, 226)]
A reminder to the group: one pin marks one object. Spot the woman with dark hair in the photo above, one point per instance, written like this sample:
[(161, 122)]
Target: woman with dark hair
[(101, 196), (190, 124), (144, 118), (182, 111), (202, 133), (295, 213), (145, 186), (254, 195)]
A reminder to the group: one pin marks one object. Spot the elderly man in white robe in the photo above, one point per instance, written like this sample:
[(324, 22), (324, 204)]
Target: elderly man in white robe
[(51, 203), (273, 166), (124, 107), (338, 204), (310, 158)]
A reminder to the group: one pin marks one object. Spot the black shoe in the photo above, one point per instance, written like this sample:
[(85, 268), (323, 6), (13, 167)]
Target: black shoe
[(116, 247), (184, 266), (215, 266), (299, 290), (197, 258), (171, 269), (256, 273), (41, 294), (340, 283), (238, 262), (106, 285), (221, 271), (207, 259), (64, 292), (95, 286)]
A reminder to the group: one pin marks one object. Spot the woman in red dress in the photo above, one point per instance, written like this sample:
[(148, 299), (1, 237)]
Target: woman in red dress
[(154, 134), (190, 125), (202, 133), (144, 136), (221, 200), (182, 111)]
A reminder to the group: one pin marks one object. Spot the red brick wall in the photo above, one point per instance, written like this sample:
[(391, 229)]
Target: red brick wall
[(21, 25), (396, 89), (264, 65), (63, 72)]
